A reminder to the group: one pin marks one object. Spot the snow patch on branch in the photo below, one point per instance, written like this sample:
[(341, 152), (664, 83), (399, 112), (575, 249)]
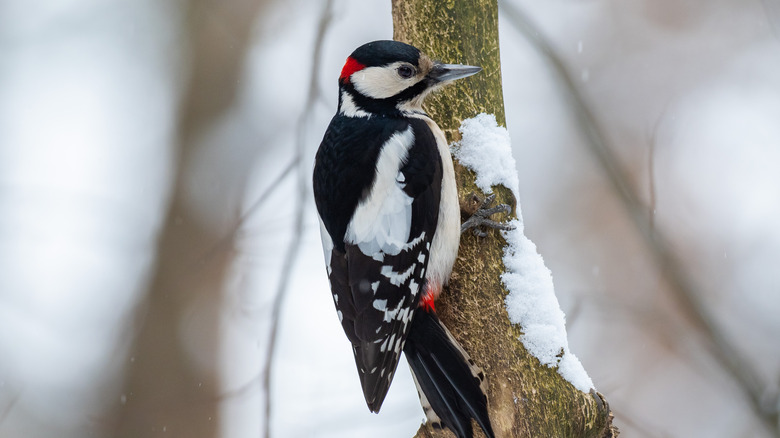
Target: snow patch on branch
[(485, 148), (532, 304)]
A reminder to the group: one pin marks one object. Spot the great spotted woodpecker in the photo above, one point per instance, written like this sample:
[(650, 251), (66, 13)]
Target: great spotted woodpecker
[(389, 215)]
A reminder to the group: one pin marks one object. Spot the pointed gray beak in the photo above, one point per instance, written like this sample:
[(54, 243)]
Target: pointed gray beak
[(450, 72)]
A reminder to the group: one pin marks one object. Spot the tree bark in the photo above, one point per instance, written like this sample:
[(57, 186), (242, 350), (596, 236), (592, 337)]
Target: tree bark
[(526, 398)]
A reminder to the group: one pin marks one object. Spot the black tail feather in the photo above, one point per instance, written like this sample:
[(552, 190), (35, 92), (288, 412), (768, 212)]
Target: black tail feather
[(375, 368), (446, 377)]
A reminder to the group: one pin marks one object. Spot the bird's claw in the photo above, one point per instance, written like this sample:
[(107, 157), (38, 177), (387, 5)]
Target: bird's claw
[(480, 217)]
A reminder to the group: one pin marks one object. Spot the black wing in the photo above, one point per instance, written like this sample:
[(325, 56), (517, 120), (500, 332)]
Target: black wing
[(377, 285)]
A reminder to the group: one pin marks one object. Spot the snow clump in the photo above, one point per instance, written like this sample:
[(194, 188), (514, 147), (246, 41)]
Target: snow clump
[(486, 149)]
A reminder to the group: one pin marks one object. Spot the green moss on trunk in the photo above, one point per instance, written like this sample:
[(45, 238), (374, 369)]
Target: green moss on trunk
[(456, 32), (526, 399)]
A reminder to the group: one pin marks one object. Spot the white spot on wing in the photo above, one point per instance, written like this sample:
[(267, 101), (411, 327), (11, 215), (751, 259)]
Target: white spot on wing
[(415, 241), (413, 287), (380, 305), (397, 278), (391, 314)]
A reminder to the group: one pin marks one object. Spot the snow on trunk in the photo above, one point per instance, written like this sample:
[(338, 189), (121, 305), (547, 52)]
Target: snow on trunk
[(486, 149)]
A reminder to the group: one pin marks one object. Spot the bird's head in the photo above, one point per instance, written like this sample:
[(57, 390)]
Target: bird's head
[(390, 77)]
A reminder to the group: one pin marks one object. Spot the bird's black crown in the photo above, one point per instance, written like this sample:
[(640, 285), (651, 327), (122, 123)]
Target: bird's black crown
[(384, 52)]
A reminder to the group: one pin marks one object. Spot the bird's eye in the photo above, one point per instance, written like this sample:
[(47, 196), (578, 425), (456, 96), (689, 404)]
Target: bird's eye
[(405, 71)]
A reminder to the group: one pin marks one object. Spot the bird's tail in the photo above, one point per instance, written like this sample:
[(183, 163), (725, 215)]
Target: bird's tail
[(450, 385)]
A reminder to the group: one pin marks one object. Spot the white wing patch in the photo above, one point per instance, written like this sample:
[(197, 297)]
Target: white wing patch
[(327, 245), (383, 219), (397, 278), (413, 287), (380, 305), (400, 312)]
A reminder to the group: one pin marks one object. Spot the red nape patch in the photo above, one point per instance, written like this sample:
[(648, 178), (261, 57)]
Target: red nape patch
[(350, 67), (427, 303)]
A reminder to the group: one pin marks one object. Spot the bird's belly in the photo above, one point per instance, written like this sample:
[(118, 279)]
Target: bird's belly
[(444, 246)]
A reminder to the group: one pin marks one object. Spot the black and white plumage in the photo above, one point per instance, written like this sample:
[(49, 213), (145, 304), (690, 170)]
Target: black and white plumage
[(385, 191)]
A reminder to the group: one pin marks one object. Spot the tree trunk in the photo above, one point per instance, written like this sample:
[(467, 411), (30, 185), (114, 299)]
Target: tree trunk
[(526, 398)]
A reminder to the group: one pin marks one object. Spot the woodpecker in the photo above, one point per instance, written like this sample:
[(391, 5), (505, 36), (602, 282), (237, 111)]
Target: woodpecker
[(384, 186)]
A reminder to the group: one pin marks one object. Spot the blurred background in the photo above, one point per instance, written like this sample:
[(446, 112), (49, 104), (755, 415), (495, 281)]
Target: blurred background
[(159, 246)]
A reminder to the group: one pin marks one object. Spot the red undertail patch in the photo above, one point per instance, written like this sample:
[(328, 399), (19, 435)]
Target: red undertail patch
[(427, 303), (350, 67)]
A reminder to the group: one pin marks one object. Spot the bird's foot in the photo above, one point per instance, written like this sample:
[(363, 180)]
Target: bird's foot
[(480, 217)]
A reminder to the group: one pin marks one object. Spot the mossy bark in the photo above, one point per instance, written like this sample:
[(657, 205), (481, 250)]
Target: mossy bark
[(526, 398)]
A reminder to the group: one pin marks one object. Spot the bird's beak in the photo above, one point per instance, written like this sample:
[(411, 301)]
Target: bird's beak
[(450, 72)]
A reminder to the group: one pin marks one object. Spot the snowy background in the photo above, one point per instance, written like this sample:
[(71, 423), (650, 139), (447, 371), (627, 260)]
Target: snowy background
[(99, 99)]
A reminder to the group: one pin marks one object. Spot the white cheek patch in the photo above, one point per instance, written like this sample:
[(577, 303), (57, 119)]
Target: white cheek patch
[(381, 82)]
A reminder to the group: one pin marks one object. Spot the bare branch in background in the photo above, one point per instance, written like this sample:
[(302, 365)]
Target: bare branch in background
[(165, 388), (648, 429), (682, 286), (302, 190), (10, 407), (653, 142), (228, 239), (772, 12)]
